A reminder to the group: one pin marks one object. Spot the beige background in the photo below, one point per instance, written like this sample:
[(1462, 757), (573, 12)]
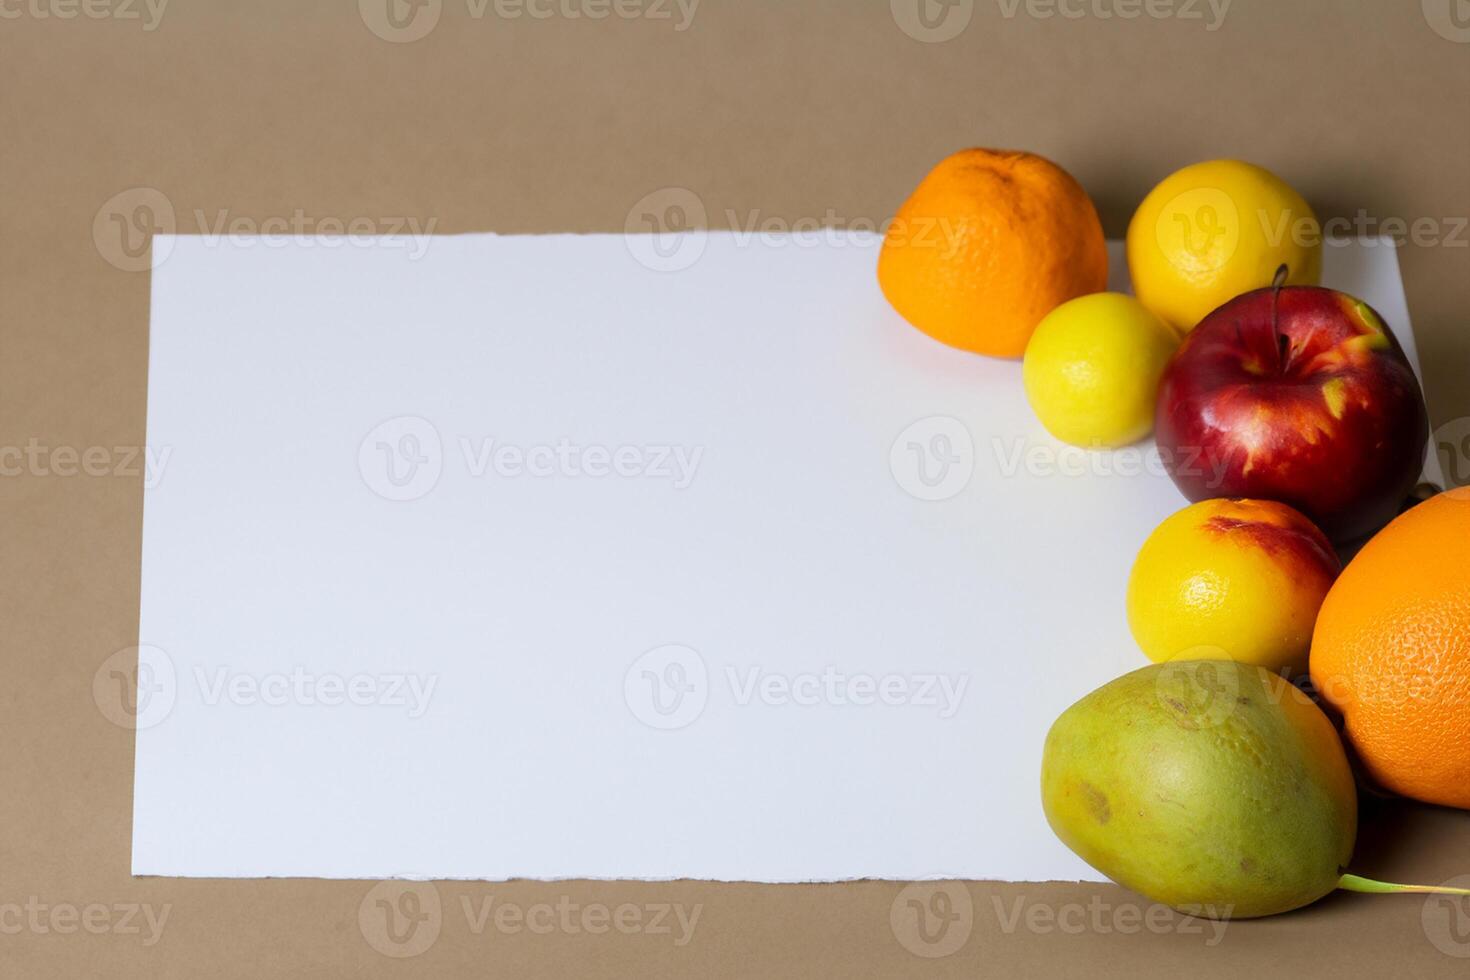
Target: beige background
[(766, 110)]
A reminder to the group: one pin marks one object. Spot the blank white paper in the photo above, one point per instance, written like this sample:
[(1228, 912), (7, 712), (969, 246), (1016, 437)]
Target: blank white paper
[(589, 556)]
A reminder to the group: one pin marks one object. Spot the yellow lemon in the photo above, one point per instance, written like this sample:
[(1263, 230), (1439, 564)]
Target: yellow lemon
[(1092, 369), (1214, 230), (1231, 580)]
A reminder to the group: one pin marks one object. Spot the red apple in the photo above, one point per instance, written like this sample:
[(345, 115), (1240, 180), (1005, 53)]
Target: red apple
[(1298, 394)]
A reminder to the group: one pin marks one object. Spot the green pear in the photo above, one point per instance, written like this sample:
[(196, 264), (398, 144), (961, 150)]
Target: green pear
[(1210, 786)]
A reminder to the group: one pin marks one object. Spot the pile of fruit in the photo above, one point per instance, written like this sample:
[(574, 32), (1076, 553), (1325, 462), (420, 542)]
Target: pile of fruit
[(1290, 416)]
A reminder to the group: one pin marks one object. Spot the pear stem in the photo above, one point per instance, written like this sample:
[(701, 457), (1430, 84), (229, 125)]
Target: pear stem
[(1353, 883)]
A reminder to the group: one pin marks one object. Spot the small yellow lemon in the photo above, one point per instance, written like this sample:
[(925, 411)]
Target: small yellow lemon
[(1231, 580), (1092, 369), (1214, 230)]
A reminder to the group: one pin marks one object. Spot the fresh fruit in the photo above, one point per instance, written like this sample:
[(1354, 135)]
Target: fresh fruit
[(990, 242), (1298, 394), (1092, 369), (1231, 579), (1214, 787), (1391, 652), (1210, 786), (1215, 230)]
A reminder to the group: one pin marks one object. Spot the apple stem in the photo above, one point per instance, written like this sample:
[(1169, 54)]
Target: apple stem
[(1282, 342), (1367, 886)]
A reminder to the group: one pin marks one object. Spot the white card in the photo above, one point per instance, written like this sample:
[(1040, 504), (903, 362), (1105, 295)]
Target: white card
[(587, 556)]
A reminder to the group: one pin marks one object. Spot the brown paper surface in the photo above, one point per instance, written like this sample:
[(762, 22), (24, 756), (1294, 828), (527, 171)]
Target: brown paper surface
[(517, 116)]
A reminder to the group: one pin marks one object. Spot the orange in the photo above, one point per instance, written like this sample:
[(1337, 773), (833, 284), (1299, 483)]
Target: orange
[(988, 244), (1391, 652)]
